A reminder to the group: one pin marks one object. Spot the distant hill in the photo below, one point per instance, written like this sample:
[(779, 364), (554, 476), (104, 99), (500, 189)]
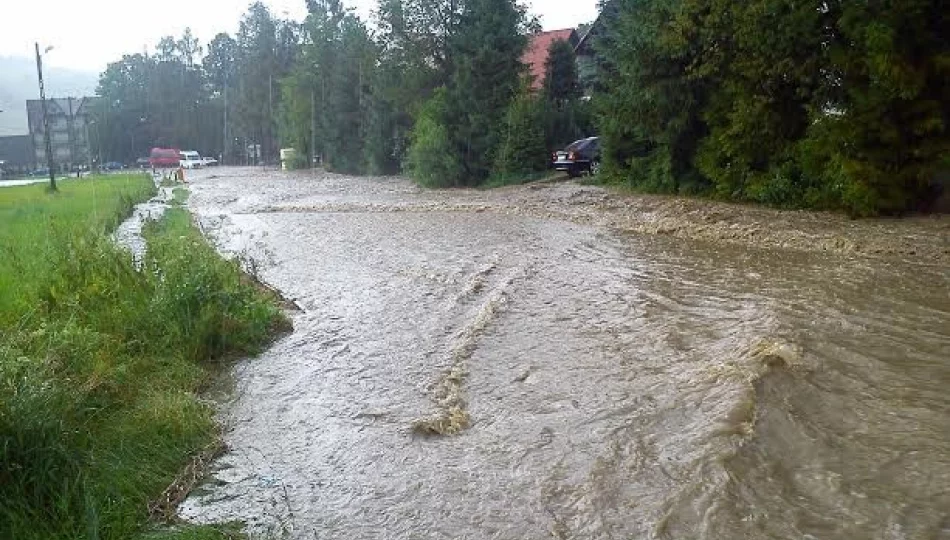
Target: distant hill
[(18, 84)]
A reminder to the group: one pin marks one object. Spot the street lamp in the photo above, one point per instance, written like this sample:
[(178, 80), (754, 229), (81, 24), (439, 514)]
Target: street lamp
[(46, 138), (95, 125), (85, 126)]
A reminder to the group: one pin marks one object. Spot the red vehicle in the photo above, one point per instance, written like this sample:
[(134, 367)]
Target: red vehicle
[(165, 158)]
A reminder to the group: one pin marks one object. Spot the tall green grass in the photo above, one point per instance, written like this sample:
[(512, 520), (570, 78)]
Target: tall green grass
[(34, 223), (101, 362)]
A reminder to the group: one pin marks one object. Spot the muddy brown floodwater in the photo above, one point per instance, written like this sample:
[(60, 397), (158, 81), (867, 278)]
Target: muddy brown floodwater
[(630, 367)]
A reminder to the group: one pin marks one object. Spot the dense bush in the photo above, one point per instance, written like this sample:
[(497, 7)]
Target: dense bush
[(432, 160), (523, 149), (843, 106)]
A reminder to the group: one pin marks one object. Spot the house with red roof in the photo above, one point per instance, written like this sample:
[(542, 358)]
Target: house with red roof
[(537, 52)]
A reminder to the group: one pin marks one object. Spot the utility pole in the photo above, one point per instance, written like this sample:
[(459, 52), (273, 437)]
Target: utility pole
[(360, 96), (323, 101), (224, 149), (270, 108), (46, 137), (313, 128)]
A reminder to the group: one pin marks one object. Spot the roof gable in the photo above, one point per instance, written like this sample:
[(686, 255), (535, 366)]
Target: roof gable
[(536, 53)]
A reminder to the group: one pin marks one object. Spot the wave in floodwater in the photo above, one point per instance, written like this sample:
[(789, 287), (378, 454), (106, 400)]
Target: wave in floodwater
[(611, 385)]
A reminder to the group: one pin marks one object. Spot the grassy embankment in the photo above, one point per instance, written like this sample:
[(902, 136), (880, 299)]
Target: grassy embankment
[(101, 363)]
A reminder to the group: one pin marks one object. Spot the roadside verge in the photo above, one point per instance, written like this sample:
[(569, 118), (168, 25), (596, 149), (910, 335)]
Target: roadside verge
[(102, 362)]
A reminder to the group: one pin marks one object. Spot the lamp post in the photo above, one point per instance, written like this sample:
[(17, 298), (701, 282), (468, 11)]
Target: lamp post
[(46, 137), (95, 126), (85, 126)]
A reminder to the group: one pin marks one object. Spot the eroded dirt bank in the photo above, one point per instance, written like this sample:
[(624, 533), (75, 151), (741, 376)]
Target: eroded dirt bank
[(737, 373)]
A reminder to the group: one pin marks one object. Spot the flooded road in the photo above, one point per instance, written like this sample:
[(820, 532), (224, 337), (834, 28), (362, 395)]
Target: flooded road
[(615, 367)]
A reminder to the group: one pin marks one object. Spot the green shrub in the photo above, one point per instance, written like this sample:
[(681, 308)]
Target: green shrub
[(522, 150), (433, 160)]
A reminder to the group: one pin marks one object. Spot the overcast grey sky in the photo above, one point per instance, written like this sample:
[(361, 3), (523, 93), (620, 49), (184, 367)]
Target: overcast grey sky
[(88, 34)]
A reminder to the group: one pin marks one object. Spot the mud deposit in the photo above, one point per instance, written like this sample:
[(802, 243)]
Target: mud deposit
[(610, 367)]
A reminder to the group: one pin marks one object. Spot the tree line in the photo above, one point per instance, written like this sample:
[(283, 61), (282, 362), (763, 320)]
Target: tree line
[(834, 104), (217, 100), (436, 89)]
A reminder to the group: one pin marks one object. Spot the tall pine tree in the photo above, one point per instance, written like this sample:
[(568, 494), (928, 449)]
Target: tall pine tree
[(650, 107), (565, 120), (485, 55)]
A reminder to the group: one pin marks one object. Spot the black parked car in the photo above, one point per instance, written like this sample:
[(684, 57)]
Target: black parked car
[(579, 157)]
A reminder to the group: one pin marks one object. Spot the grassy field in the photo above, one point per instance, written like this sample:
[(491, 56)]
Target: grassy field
[(34, 223), (101, 363)]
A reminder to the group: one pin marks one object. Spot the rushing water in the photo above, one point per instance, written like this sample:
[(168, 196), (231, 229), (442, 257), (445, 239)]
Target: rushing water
[(129, 232), (618, 384)]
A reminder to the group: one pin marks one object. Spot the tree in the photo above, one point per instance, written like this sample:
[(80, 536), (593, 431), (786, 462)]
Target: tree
[(167, 48), (650, 110), (123, 92), (296, 115), (433, 160), (564, 118), (485, 55), (176, 100), (412, 39), (220, 69), (305, 116), (843, 105), (882, 127), (767, 69), (332, 81), (347, 98), (420, 31), (155, 101), (220, 64), (840, 106), (561, 85), (523, 148), (189, 48), (257, 97)]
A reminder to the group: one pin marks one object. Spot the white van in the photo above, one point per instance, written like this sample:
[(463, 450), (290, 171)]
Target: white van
[(191, 160)]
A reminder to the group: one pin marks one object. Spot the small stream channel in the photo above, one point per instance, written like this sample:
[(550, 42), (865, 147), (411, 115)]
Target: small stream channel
[(129, 233)]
